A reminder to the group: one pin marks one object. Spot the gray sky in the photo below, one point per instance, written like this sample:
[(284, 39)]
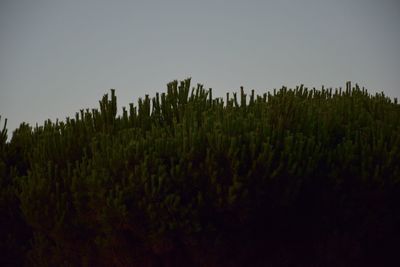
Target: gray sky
[(59, 56)]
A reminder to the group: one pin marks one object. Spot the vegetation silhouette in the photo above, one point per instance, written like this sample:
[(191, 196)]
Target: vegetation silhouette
[(294, 177)]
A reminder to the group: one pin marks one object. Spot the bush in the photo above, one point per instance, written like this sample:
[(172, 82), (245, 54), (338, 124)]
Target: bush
[(298, 176)]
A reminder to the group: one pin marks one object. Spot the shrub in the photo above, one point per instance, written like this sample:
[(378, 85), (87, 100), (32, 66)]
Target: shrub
[(296, 176)]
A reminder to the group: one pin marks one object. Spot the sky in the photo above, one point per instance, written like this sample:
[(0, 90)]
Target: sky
[(57, 57)]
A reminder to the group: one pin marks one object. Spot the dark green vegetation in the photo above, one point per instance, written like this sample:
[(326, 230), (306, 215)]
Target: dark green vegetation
[(297, 177)]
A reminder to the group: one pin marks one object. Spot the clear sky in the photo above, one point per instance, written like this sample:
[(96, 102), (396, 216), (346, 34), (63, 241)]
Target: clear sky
[(59, 56)]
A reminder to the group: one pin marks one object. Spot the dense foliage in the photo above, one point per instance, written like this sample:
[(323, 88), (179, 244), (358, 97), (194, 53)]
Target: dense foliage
[(293, 177)]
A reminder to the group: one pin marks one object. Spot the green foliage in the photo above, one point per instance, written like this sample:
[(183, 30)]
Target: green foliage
[(184, 171)]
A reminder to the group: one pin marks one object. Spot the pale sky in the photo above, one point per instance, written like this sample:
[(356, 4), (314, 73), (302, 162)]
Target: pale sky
[(57, 57)]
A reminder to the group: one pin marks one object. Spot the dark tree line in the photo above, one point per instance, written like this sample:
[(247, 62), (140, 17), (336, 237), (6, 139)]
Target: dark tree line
[(297, 177)]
